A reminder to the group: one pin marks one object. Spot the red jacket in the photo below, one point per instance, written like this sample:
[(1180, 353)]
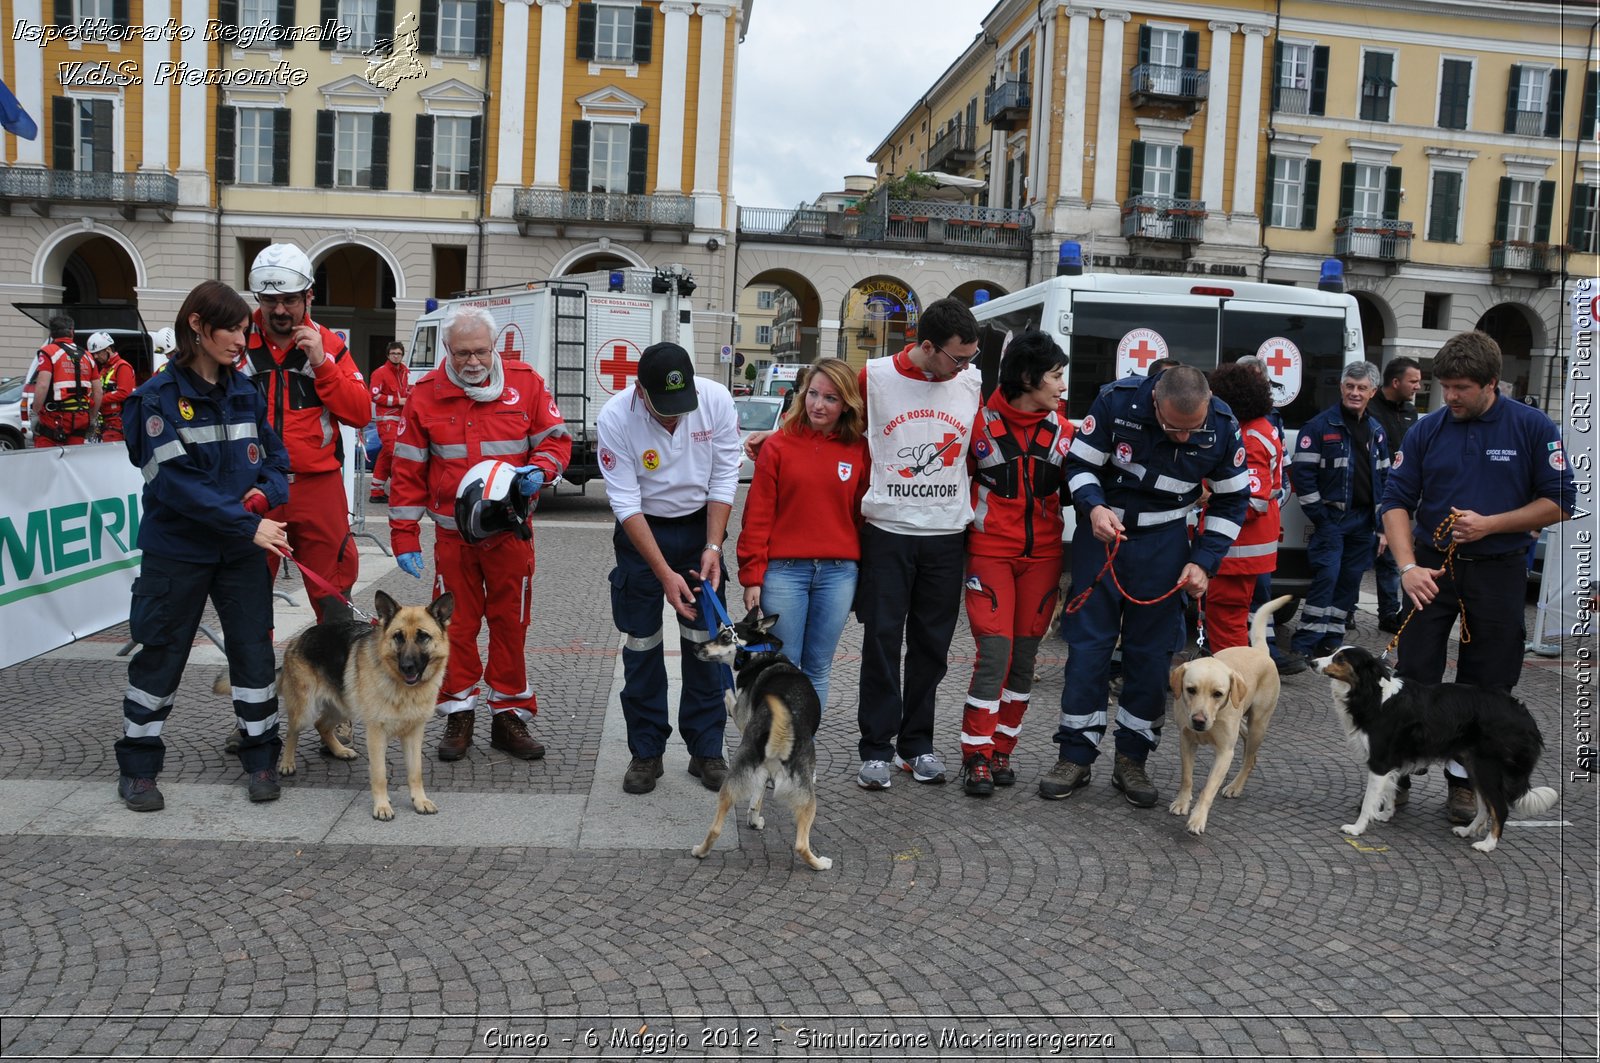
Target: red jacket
[(444, 434), (305, 405), (390, 384), (1017, 481), (117, 382), (73, 381), (1256, 549), (804, 501)]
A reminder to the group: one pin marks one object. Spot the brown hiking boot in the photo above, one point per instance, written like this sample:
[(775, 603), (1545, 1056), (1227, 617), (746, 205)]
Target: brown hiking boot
[(1462, 806), (457, 736), (1061, 780), (508, 733), (1129, 777), (641, 776)]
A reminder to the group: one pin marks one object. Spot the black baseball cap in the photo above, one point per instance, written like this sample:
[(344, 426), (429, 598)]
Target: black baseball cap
[(666, 373)]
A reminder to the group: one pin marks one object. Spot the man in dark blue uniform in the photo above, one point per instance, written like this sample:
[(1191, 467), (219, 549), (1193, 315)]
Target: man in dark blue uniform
[(1341, 459), (1135, 470), (1498, 467), (1392, 406)]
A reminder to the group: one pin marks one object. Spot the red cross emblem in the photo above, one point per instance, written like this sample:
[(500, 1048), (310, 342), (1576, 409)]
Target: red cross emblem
[(1278, 361), (512, 351), (620, 366), (1143, 354)]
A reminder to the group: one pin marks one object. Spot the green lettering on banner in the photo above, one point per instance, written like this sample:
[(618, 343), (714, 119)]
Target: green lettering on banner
[(23, 554), (61, 540), (62, 536)]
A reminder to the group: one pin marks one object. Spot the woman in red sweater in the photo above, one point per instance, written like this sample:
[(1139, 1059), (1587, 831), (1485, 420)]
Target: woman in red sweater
[(1255, 551), (800, 540), (1013, 550)]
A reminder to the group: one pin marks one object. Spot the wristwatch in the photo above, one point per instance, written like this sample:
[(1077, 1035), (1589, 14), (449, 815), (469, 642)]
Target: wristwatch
[(1407, 568), (711, 546)]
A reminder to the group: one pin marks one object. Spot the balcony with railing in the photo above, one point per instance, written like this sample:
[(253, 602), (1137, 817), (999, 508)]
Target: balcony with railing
[(1294, 99), (954, 149), (1527, 123), (879, 221), (1520, 256), (1163, 83), (1006, 103), (129, 192), (1162, 219), (562, 208), (1359, 236)]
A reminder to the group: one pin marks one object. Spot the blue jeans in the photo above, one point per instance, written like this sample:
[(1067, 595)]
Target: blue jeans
[(812, 601)]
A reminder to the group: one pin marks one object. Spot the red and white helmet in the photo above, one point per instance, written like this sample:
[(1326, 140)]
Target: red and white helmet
[(281, 269), (488, 503)]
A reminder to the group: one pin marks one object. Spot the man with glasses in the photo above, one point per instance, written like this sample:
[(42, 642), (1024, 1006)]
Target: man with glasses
[(312, 386), (1340, 463), (477, 407), (1135, 469), (922, 405)]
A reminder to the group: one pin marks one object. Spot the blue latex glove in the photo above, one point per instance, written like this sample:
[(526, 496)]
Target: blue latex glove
[(529, 480), (410, 564)]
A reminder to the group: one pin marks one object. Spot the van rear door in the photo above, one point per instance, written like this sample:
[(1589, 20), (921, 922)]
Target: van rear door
[(1185, 327), (1302, 347)]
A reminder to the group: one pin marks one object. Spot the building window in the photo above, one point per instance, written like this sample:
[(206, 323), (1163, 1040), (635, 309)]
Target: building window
[(457, 19), (1444, 207), (352, 150), (1160, 169), (764, 334), (1533, 87), (254, 145), (85, 134), (613, 36), (738, 332), (1521, 203), (1368, 202), (1377, 86), (360, 17), (1455, 89), (608, 157), (764, 300), (89, 10), (1585, 235), (1435, 310), (452, 155), (1166, 61), (1294, 79), (1288, 192)]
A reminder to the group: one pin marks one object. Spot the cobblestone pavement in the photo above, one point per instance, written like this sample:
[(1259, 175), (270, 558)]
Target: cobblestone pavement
[(948, 927)]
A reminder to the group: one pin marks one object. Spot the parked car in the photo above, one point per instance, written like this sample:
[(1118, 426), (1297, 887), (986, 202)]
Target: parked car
[(757, 413), (14, 433)]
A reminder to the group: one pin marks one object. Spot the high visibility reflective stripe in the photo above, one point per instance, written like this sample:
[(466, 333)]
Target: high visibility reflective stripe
[(1177, 487), (976, 740), (147, 700), (1259, 550), (1266, 441), (210, 433), (1080, 480), (409, 452), (1083, 451), (389, 417), (986, 706), (1341, 463), (448, 450), (648, 642), (1307, 457), (406, 512), (327, 427), (500, 447), (1136, 725), (463, 701), (1260, 505), (1094, 721), (1239, 482), (1223, 527), (443, 520), (1001, 728), (1012, 695), (689, 632), (258, 727), (255, 695), (1311, 498), (495, 695), (558, 431), (141, 730), (1166, 516)]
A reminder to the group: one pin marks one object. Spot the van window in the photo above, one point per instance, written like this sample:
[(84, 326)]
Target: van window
[(1320, 338), (992, 334), (1098, 325), (425, 347)]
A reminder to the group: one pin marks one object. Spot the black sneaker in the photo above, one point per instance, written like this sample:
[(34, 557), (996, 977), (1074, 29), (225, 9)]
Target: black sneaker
[(976, 777), (264, 785), (709, 770), (1291, 663), (140, 795), (641, 776), (1000, 768), (1129, 777), (1061, 780), (1389, 623)]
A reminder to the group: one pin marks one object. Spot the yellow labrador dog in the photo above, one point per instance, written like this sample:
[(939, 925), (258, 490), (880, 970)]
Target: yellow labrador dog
[(1216, 696)]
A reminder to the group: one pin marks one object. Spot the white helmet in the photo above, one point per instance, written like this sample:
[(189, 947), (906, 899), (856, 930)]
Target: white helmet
[(163, 341), (99, 342), (488, 503), (281, 269)]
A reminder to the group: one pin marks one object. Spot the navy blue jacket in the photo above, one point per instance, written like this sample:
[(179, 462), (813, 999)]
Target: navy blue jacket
[(201, 448), (1320, 468), (1121, 458), (1490, 464)]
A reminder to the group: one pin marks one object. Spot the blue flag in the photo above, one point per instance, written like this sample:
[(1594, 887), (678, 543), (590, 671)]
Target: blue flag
[(13, 119)]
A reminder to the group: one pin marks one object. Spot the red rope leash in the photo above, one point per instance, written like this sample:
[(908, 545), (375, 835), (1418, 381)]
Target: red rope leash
[(1111, 556)]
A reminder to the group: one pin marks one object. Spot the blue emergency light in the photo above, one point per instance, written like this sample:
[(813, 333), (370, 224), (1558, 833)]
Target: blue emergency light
[(1069, 261), (617, 281), (1332, 279), (980, 297)]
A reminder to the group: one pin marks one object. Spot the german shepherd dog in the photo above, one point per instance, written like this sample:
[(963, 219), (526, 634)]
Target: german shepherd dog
[(776, 710), (386, 675)]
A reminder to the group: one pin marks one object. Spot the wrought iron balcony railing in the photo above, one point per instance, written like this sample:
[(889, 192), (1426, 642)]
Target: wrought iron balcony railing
[(1294, 99), (559, 207), (895, 221), (1364, 236), (129, 191), (1007, 102), (954, 148), (1528, 123), (1515, 256), (1159, 80), (1163, 218)]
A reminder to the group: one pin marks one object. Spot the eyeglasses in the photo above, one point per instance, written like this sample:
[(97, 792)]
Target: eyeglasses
[(271, 302), (481, 355), (1199, 435), (960, 363)]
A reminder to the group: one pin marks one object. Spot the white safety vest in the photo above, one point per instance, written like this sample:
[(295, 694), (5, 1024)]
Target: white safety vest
[(918, 432)]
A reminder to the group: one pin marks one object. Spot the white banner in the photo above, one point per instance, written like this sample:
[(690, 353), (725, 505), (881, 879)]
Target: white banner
[(69, 525)]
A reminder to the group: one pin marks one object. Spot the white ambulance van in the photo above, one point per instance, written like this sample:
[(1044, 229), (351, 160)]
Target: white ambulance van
[(1113, 325), (583, 333)]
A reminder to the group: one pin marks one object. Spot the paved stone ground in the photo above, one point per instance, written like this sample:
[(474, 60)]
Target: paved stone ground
[(948, 927)]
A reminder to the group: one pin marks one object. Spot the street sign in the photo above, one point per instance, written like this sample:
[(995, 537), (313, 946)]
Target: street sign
[(727, 354)]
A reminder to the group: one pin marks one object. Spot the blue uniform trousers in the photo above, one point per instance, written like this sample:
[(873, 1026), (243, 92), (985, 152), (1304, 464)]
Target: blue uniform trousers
[(169, 598), (1148, 565), (637, 602), (1340, 552), (1493, 590)]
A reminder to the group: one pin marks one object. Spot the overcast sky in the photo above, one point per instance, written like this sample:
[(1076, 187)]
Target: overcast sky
[(822, 82)]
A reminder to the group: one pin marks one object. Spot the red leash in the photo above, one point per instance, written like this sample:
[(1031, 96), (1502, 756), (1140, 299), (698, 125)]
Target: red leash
[(329, 590), (1111, 555)]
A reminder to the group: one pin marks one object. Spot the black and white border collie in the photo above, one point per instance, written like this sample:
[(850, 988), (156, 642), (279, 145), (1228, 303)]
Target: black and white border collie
[(1406, 726)]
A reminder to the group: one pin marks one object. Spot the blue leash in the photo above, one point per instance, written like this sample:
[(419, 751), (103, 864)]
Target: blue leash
[(716, 618)]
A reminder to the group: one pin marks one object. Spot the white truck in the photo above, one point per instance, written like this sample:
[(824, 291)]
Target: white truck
[(582, 333), (1111, 325)]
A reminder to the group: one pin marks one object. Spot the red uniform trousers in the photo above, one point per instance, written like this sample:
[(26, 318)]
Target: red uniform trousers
[(1009, 604), (317, 514), (491, 581), (1227, 609), (58, 429), (387, 430)]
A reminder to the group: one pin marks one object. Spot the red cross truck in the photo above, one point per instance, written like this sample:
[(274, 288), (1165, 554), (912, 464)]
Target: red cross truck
[(583, 333), (1114, 324)]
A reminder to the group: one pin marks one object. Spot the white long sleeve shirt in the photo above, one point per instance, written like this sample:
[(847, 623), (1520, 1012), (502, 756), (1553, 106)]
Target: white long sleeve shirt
[(650, 470)]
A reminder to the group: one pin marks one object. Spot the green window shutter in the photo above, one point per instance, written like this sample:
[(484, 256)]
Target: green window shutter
[(588, 26), (1136, 169), (324, 168), (330, 13), (286, 14), (1144, 44), (1308, 212), (1183, 175), (1502, 209), (1391, 193), (1453, 94), (1191, 50), (482, 26), (62, 132), (1555, 103), (638, 157), (1347, 189), (1513, 86), (64, 15), (228, 12), (1268, 186), (281, 117), (119, 12), (1591, 105), (1277, 83), (227, 141), (1578, 227), (383, 25), (1543, 210), (1319, 79), (422, 164), (578, 170), (475, 153), (643, 32), (104, 161), (428, 27), (1446, 206), (380, 151)]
